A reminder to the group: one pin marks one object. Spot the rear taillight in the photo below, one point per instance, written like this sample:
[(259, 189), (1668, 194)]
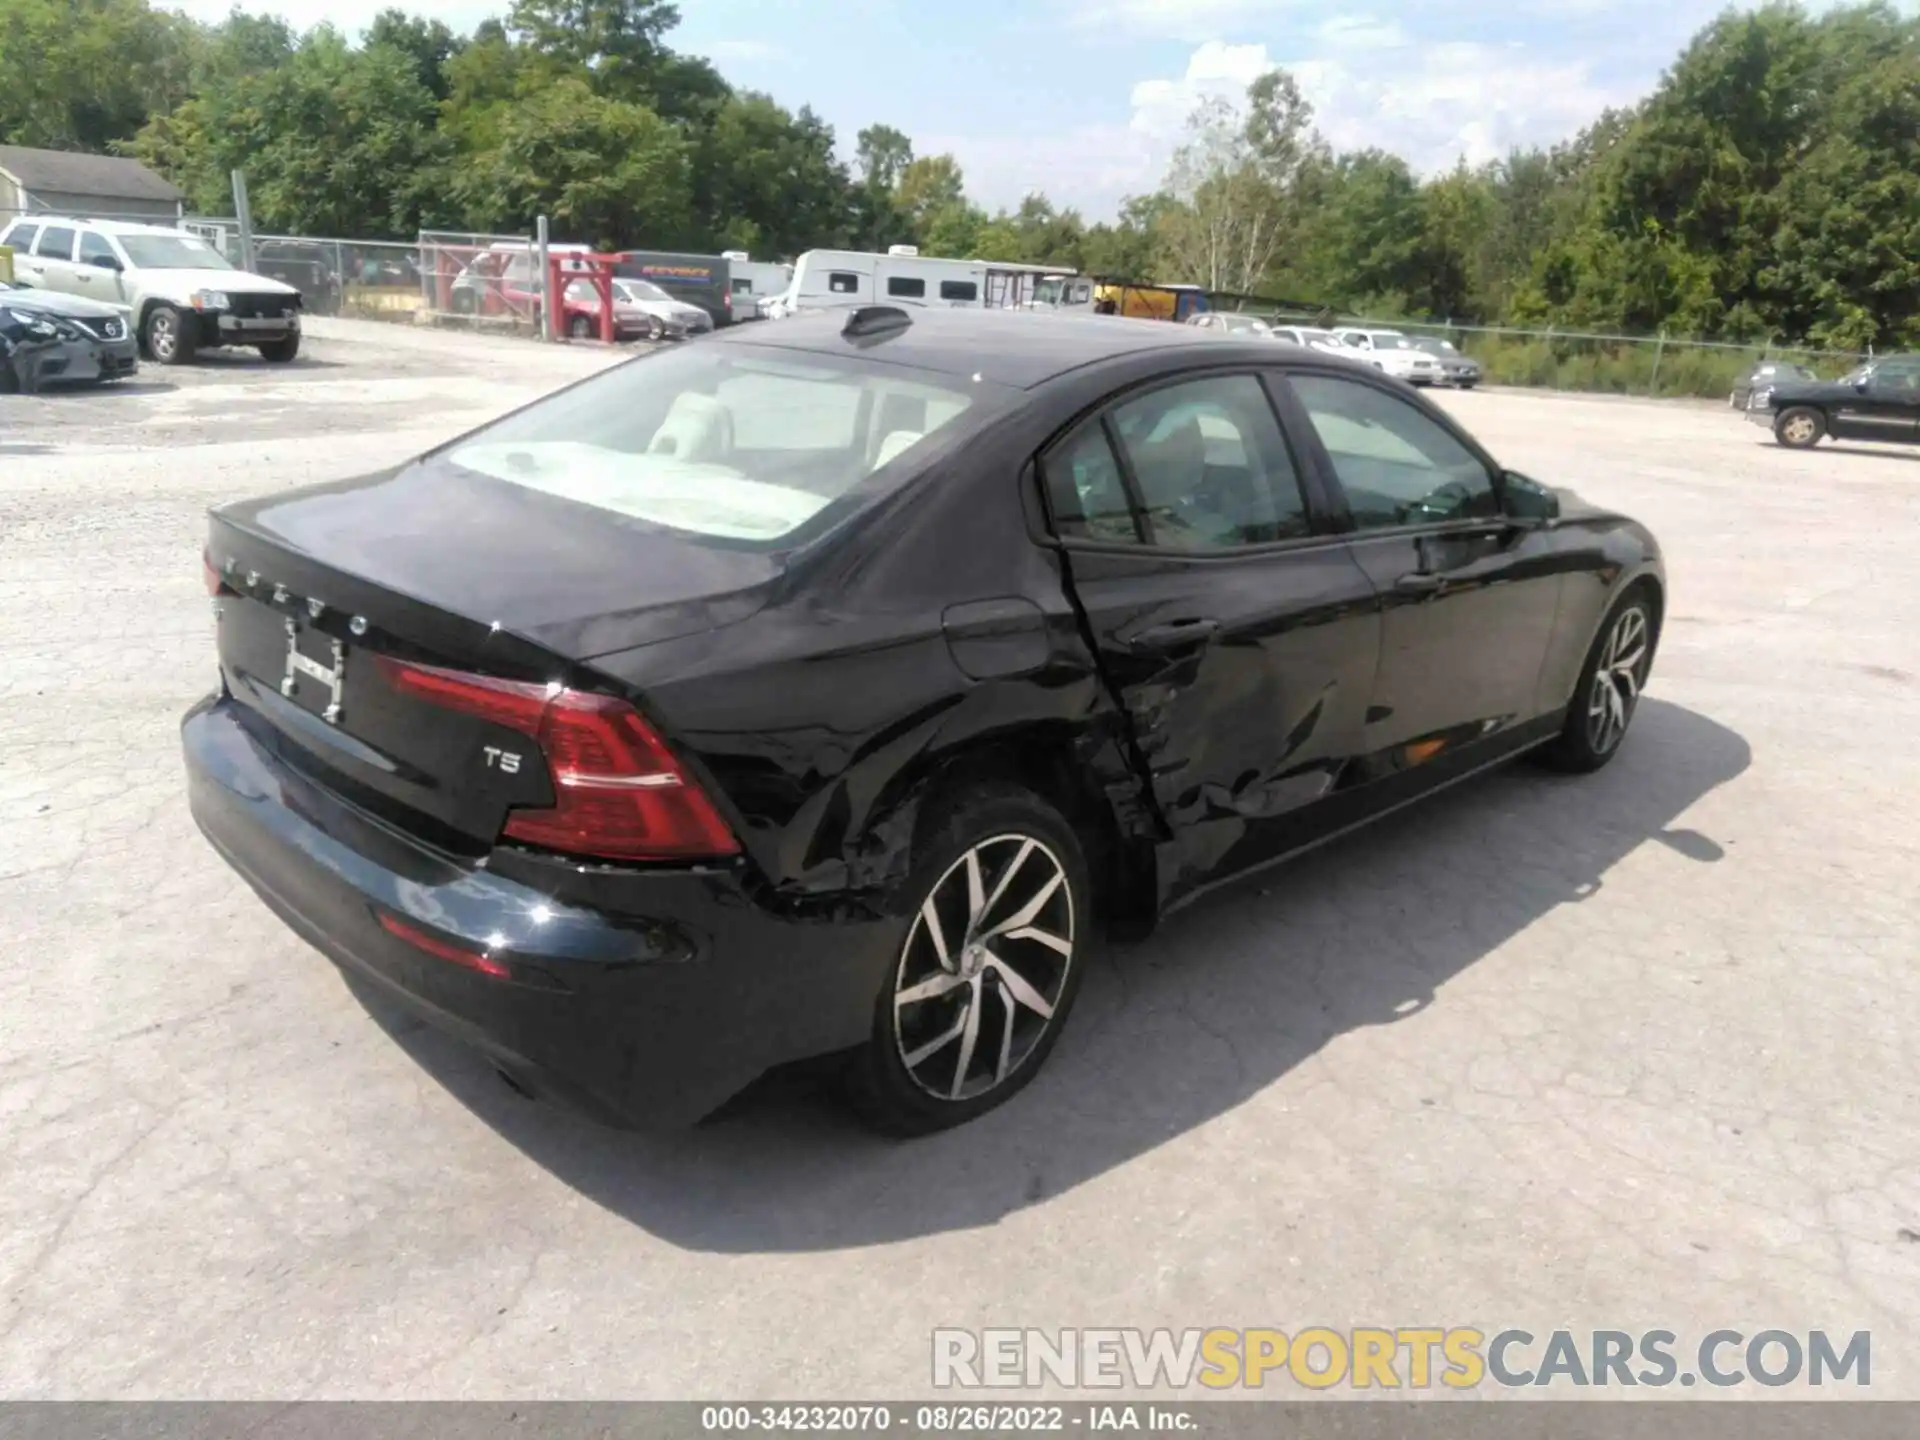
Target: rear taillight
[(210, 575), (619, 793)]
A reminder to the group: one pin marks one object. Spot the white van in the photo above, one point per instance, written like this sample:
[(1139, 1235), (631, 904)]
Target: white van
[(755, 283), (824, 278)]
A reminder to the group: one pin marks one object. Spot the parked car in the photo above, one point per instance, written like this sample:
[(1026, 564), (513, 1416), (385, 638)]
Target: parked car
[(1311, 336), (1391, 352), (738, 705), (46, 336), (179, 292), (657, 314), (1228, 322), (1878, 401), (1765, 376), (580, 311), (310, 268), (1455, 369)]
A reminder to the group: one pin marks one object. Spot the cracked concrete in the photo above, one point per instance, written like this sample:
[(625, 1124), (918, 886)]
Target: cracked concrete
[(1630, 1051)]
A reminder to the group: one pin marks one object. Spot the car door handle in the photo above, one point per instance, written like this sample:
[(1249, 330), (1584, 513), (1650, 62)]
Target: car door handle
[(1171, 635), (1418, 583)]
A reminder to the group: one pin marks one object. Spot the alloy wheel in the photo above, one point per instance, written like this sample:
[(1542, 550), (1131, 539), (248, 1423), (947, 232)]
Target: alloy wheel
[(1799, 430), (984, 967), (1617, 680), (162, 335)]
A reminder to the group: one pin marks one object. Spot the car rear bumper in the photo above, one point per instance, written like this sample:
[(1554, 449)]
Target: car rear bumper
[(647, 1011)]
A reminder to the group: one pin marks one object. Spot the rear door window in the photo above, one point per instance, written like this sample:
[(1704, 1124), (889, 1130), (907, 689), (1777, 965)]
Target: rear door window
[(20, 237), (56, 243)]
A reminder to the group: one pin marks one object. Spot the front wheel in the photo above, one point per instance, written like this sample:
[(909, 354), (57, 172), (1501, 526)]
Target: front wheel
[(988, 969), (170, 335), (1609, 690), (580, 328), (280, 352), (1800, 428)]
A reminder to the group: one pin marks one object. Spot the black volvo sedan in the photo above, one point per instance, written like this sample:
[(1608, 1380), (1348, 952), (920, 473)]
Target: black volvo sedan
[(834, 686)]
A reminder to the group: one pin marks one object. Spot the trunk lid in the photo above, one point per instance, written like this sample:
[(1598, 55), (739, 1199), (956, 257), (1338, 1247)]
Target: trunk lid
[(321, 590)]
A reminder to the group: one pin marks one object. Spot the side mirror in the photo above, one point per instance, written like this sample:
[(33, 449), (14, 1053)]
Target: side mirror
[(106, 262), (1861, 384), (1525, 499)]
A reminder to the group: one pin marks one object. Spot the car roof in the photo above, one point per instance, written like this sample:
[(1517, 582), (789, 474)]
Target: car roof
[(1021, 348), (110, 227)]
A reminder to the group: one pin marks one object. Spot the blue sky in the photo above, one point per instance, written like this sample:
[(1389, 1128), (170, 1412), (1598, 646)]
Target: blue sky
[(1084, 99)]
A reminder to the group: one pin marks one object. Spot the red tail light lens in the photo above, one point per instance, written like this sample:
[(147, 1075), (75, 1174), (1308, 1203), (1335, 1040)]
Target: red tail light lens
[(443, 949), (619, 793), (210, 575)]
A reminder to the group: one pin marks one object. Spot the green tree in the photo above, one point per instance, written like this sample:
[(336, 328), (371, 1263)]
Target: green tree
[(85, 74), (334, 141), (608, 172), (927, 187), (767, 180)]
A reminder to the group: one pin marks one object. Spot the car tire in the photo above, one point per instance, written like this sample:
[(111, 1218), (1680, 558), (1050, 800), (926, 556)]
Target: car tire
[(1800, 427), (656, 332), (1611, 682), (983, 1021), (280, 352), (169, 335), (580, 328)]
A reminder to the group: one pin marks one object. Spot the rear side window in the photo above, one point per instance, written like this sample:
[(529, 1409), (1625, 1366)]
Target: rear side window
[(959, 290), (843, 282), (1085, 490), (20, 237), (56, 243), (1212, 469), (906, 287)]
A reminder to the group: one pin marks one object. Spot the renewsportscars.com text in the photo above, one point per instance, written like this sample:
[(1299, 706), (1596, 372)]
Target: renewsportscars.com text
[(1407, 1357)]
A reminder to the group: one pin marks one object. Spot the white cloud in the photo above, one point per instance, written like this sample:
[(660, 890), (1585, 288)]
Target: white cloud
[(1361, 32), (1161, 107), (1434, 103)]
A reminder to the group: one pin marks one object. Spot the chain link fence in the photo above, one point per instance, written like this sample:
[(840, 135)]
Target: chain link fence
[(1599, 363)]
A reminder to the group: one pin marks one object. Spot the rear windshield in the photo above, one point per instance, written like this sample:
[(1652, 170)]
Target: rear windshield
[(742, 445)]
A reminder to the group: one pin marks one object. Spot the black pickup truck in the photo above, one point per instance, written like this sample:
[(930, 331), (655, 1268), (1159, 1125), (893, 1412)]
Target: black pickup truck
[(1878, 401)]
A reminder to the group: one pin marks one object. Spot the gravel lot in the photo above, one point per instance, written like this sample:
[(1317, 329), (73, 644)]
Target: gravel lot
[(1640, 1050)]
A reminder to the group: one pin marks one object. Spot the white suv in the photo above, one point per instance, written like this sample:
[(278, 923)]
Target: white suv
[(179, 292), (1392, 352)]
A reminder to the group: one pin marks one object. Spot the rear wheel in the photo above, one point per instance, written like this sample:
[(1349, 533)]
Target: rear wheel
[(988, 970), (1609, 690), (1800, 428), (170, 335), (280, 351)]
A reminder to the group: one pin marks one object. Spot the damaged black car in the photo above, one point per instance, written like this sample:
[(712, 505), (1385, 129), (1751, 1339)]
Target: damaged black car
[(832, 688)]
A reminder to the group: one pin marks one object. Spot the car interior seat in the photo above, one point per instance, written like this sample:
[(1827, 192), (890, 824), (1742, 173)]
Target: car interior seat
[(697, 428)]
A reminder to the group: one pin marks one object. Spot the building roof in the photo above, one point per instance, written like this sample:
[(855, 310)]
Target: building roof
[(73, 172), (1023, 348)]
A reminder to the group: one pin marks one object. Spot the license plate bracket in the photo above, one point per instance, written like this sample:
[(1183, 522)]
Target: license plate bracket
[(326, 694)]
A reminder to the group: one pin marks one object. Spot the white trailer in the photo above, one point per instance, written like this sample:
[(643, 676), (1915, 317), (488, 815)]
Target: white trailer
[(824, 278)]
